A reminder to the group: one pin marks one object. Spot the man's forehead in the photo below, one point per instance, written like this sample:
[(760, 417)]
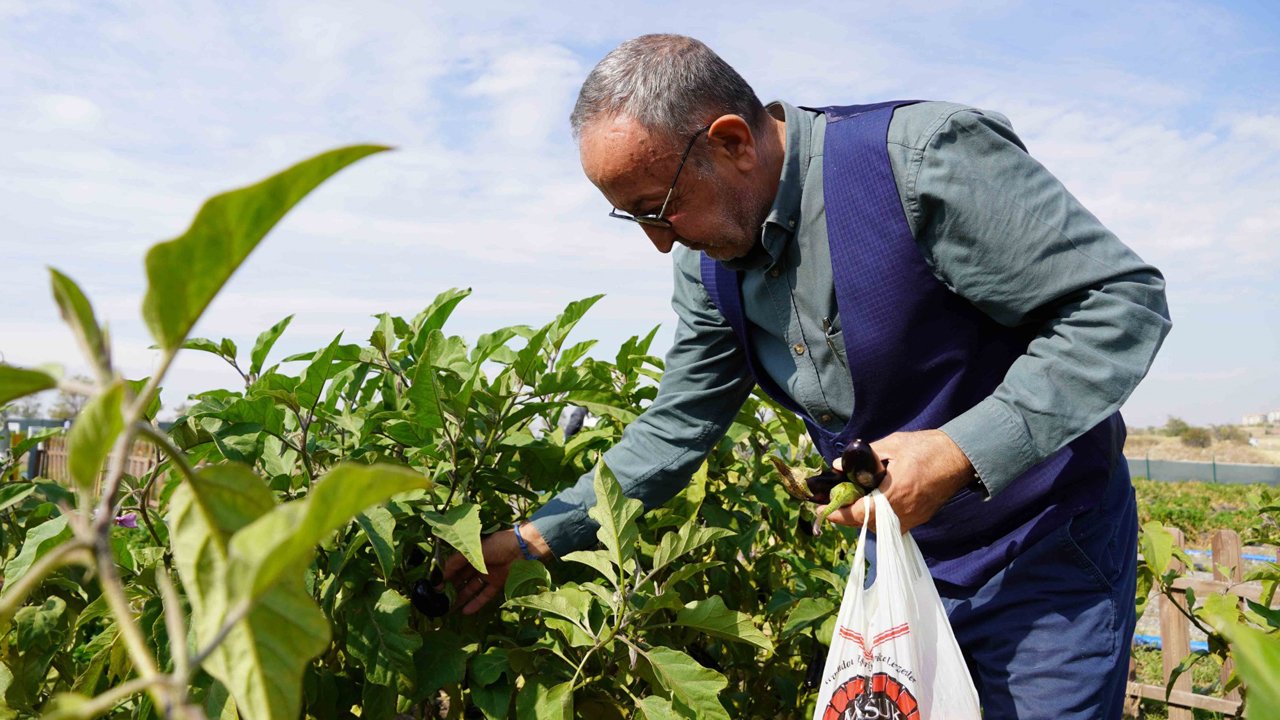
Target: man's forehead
[(619, 152)]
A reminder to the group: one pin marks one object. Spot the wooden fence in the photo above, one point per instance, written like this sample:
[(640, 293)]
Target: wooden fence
[(1175, 629), (53, 460)]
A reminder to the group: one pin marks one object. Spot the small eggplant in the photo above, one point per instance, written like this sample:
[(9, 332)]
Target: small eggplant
[(862, 472), (862, 466), (428, 600)]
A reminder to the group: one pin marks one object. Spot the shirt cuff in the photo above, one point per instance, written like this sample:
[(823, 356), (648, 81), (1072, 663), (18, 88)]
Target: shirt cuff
[(996, 442), (564, 527)]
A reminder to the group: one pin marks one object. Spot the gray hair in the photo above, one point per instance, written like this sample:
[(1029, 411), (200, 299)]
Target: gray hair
[(670, 84)]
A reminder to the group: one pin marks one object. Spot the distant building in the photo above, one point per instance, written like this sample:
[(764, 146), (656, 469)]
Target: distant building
[(1258, 419), (1273, 416)]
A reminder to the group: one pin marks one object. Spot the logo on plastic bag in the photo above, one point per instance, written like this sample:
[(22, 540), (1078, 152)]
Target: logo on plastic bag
[(882, 698), (878, 640)]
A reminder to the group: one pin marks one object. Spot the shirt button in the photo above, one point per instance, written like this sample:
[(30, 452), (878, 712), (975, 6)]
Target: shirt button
[(775, 272), (825, 418), (798, 348)]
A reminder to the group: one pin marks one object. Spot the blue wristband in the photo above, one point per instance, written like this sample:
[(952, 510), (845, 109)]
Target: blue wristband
[(524, 546)]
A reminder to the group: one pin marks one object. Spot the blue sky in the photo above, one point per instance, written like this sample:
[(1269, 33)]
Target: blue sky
[(117, 120)]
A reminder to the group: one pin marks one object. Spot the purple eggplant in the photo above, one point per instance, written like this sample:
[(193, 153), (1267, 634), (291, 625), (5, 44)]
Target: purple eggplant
[(862, 466)]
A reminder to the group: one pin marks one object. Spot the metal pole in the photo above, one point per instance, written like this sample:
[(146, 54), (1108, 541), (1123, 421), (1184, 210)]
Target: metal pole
[(1149, 465), (1214, 459)]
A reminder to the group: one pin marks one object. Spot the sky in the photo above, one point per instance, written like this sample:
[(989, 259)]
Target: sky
[(118, 119)]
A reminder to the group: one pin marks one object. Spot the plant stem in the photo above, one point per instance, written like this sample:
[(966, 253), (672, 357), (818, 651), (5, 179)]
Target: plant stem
[(102, 703), (164, 444), (177, 630), (240, 612)]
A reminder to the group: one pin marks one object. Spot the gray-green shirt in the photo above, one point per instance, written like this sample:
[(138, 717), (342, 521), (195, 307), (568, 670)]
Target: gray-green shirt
[(995, 227)]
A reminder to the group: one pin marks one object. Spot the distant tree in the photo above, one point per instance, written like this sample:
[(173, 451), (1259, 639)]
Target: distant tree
[(68, 405), (1197, 437), (1231, 434), (1175, 427), (28, 407)]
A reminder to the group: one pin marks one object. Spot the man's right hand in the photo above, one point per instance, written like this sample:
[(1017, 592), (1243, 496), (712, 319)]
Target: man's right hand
[(500, 549)]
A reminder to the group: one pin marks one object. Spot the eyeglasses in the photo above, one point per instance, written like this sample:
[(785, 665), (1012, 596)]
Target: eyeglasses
[(655, 220)]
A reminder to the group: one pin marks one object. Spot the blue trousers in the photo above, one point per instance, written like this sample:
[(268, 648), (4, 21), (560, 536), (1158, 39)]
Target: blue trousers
[(1049, 635)]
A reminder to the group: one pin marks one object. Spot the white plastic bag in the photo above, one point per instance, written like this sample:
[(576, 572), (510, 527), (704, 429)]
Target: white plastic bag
[(893, 655)]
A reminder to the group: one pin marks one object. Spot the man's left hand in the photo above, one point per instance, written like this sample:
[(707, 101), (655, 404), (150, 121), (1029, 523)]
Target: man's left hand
[(925, 469)]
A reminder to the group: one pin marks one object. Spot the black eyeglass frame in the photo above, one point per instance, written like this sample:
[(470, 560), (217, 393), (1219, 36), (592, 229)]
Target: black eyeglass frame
[(655, 220)]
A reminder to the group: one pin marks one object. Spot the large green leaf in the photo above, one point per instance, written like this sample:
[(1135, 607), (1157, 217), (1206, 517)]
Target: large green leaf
[(185, 274), (230, 496), (262, 346), (460, 527), (40, 540), (381, 639), (537, 701), (434, 317), (285, 537), (78, 313), (16, 382), (262, 660), (693, 688), (91, 437), (617, 515), (712, 617)]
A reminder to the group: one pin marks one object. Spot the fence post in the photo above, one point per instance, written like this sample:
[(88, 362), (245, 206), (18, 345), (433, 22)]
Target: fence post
[(1227, 567), (1149, 465), (1175, 637)]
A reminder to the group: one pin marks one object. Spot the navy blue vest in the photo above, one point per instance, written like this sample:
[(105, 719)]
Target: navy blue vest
[(920, 355)]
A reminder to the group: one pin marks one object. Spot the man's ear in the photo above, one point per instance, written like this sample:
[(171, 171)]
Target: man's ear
[(731, 138)]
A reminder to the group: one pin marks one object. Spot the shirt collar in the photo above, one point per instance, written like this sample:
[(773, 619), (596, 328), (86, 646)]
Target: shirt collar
[(780, 224)]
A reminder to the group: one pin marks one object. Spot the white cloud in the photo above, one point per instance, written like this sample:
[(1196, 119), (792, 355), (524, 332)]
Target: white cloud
[(116, 123)]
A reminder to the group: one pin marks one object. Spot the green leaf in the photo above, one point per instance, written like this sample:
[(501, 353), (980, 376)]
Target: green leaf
[(40, 540), (78, 313), (262, 346), (228, 348), (311, 382), (204, 345), (287, 535), (1157, 547), (136, 387), (14, 493), (490, 665), (434, 316), (231, 496), (18, 382), (597, 559), (539, 702), (262, 660), (1257, 655), (617, 515), (185, 274), (526, 575), (441, 661), (807, 612), (694, 689), (675, 545), (569, 602), (460, 527), (379, 525), (39, 632), (652, 707), (712, 617), (381, 639), (92, 435)]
